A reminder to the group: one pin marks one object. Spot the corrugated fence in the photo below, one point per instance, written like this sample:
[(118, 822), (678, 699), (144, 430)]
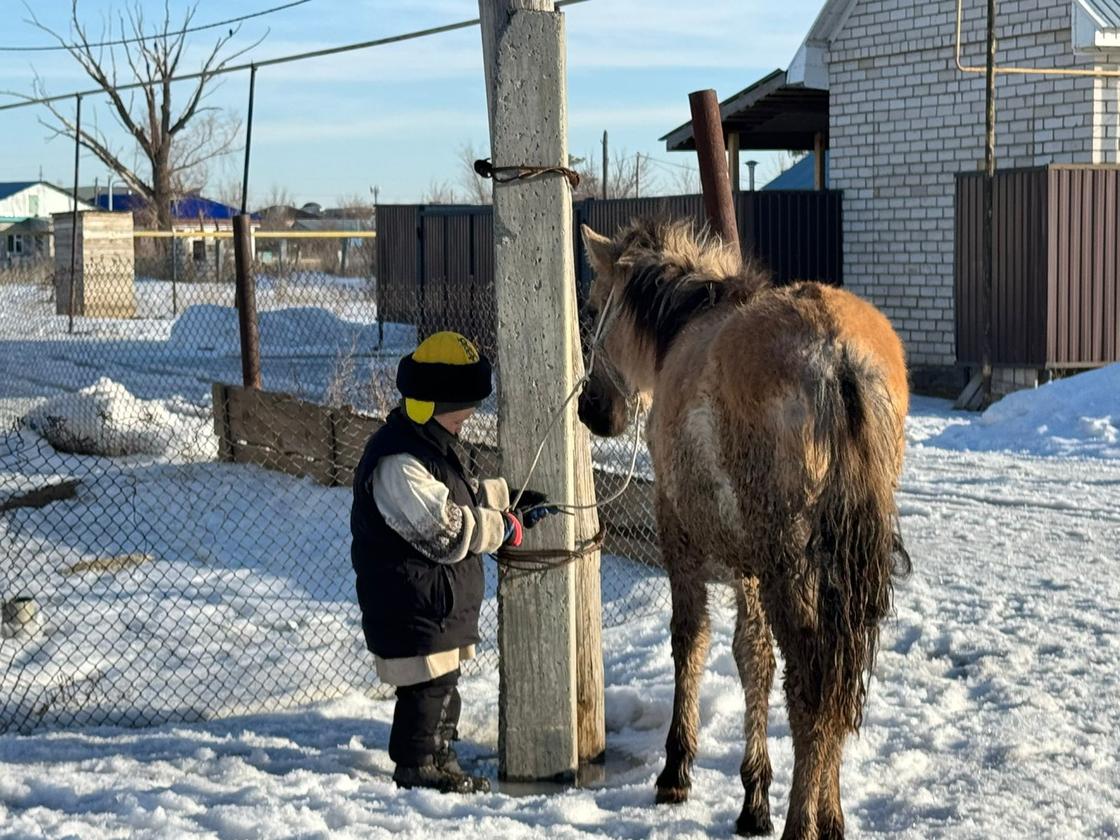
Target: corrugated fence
[(436, 262), (1055, 302)]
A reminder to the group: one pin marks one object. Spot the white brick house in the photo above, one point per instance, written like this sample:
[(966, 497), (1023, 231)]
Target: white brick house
[(903, 120)]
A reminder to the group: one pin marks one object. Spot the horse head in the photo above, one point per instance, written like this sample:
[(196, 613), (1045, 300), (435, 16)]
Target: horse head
[(603, 405), (652, 279)]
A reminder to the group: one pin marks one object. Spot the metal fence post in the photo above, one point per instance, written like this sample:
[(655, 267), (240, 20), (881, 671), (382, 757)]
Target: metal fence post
[(247, 301)]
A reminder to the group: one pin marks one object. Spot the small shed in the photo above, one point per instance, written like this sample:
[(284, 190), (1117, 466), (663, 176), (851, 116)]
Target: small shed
[(98, 279)]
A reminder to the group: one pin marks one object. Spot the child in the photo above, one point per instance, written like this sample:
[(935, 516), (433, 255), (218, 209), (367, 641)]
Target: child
[(420, 524)]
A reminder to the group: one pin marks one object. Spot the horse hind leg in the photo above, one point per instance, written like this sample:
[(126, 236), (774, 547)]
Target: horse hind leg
[(818, 738), (830, 816), (754, 656), (690, 634)]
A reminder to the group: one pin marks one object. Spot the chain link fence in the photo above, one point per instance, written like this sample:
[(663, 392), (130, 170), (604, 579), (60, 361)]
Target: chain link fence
[(174, 549)]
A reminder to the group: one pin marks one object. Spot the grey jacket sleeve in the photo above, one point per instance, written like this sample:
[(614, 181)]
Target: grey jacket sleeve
[(418, 507)]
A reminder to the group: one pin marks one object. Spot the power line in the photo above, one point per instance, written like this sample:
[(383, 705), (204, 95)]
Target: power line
[(284, 59), (652, 159), (137, 40)]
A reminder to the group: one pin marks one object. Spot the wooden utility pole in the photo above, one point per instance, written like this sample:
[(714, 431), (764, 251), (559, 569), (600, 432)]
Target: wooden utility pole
[(539, 363), (605, 164), (989, 184)]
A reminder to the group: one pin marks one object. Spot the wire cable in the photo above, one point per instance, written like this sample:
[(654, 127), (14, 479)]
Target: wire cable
[(122, 41), (268, 62)]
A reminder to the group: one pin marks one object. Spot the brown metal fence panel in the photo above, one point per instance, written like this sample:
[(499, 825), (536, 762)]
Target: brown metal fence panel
[(1084, 317), (797, 234), (1054, 290), (397, 268)]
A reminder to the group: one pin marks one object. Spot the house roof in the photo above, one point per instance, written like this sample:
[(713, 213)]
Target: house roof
[(1096, 28), (770, 114), (1105, 12), (800, 176), (186, 208), (10, 188), (809, 66), (334, 224)]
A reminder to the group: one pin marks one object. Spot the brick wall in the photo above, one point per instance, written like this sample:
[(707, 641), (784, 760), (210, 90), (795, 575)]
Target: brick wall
[(904, 121)]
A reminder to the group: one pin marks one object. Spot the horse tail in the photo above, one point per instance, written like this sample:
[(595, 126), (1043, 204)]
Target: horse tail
[(854, 540)]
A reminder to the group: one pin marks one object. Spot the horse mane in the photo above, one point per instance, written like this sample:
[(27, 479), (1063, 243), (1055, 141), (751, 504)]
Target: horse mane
[(675, 272)]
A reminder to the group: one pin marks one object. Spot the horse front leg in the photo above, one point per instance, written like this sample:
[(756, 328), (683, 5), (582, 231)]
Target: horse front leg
[(754, 657), (690, 633)]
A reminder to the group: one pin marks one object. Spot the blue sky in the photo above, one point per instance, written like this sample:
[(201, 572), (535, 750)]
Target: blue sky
[(398, 116)]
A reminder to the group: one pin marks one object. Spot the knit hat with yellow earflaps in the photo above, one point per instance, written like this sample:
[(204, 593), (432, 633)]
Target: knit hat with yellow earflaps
[(445, 373)]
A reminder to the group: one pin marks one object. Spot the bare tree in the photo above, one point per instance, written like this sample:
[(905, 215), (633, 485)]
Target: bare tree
[(177, 146), (478, 190), (439, 192), (590, 178), (685, 180), (355, 205)]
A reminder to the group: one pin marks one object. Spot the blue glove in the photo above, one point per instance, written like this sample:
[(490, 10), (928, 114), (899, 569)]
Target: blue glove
[(532, 517), (533, 507)]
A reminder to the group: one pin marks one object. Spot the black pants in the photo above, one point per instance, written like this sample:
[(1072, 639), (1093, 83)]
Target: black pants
[(425, 720)]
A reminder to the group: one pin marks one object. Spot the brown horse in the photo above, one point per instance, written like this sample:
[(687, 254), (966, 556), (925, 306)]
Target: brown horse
[(776, 432)]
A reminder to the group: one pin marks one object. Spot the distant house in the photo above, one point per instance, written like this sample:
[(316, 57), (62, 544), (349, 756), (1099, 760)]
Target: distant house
[(25, 218), (876, 83), (328, 253), (189, 214)]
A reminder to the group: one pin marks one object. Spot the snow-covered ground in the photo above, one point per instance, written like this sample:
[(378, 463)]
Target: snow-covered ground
[(995, 710)]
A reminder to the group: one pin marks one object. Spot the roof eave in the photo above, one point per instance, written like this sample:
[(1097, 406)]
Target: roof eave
[(809, 66), (680, 138)]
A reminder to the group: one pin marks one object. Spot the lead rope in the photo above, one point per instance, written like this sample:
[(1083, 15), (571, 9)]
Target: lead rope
[(528, 561)]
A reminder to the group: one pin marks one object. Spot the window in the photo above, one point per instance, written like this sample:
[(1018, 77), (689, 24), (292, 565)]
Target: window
[(33, 205), (198, 247), (15, 243)]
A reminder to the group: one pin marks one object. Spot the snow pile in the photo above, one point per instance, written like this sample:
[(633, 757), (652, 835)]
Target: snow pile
[(210, 328), (106, 419), (992, 713), (1074, 417)]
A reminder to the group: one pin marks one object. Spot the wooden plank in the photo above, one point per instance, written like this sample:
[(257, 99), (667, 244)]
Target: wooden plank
[(285, 462), (279, 422), (351, 432)]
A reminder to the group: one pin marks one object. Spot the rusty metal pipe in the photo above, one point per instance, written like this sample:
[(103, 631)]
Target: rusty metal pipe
[(707, 129)]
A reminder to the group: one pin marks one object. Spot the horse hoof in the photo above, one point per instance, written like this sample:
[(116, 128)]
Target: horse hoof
[(671, 795), (753, 825)]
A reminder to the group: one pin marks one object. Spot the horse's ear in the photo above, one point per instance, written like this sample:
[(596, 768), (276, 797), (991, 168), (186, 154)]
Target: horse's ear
[(598, 250)]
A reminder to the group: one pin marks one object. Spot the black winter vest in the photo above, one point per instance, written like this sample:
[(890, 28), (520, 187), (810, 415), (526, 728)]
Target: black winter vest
[(412, 605)]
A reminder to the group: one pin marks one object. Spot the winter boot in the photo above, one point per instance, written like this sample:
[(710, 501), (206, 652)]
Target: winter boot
[(448, 762), (431, 776), (448, 731)]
